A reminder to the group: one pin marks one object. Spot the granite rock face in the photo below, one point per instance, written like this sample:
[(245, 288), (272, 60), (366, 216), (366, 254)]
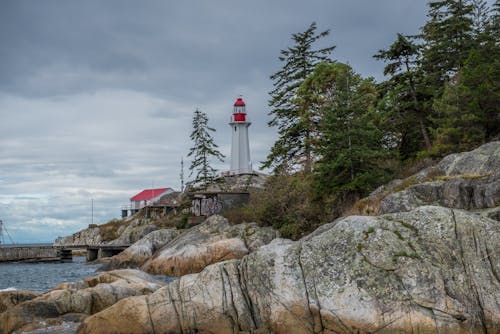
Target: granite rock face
[(10, 299), (483, 160), (212, 241), (89, 236), (430, 270), (130, 230), (461, 193), (76, 300), (468, 180), (135, 255)]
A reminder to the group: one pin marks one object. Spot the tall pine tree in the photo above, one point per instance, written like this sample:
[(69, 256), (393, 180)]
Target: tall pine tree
[(351, 148), (467, 113), (448, 39), (295, 125), (405, 94), (204, 148), (480, 16)]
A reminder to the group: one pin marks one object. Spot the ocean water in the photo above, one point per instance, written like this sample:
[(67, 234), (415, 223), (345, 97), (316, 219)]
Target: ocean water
[(42, 277)]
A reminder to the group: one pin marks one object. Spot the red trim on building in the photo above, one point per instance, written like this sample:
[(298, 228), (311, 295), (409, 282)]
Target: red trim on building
[(239, 117)]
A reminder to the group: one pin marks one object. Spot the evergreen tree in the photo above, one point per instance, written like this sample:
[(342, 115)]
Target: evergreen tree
[(352, 146), (405, 94), (448, 38), (460, 127), (295, 125), (467, 114), (480, 16), (203, 149)]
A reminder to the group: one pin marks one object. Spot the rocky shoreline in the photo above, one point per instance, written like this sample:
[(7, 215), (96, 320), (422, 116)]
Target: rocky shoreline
[(427, 260)]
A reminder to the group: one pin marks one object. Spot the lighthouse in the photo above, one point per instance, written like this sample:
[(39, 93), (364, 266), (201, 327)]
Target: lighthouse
[(240, 149)]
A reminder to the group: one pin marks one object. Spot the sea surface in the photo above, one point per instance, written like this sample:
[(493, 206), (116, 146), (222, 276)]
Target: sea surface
[(42, 277)]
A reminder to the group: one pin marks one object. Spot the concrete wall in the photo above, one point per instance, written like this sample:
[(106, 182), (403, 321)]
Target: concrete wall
[(210, 204), (27, 253)]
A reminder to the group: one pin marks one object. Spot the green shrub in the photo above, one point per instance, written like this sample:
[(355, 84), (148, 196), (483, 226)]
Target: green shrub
[(287, 204), (182, 222)]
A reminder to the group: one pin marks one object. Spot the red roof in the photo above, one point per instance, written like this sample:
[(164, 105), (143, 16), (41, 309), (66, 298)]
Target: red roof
[(148, 194), (239, 102)]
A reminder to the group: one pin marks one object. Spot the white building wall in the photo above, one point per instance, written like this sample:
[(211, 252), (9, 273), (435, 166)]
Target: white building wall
[(240, 148)]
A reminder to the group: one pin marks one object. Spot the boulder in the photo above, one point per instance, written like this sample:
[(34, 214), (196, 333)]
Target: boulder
[(483, 160), (77, 300), (212, 241), (469, 193), (89, 236), (133, 231), (429, 270), (467, 180), (135, 255), (11, 298)]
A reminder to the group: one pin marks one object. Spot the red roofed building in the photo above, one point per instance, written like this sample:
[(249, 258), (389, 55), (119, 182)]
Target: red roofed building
[(148, 197)]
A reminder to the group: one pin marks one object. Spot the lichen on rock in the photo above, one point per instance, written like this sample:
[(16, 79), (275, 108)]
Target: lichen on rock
[(212, 241), (432, 269)]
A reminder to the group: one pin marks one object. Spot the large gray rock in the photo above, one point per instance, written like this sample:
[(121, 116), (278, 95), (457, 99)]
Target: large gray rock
[(212, 241), (77, 300), (470, 193), (12, 298), (483, 160), (89, 236), (468, 180), (431, 270), (133, 231), (142, 250)]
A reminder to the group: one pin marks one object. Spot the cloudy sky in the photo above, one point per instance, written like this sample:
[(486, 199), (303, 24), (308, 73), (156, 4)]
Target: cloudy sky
[(96, 97)]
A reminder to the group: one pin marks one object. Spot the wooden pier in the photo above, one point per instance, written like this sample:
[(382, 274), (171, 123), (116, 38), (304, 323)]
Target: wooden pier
[(56, 253)]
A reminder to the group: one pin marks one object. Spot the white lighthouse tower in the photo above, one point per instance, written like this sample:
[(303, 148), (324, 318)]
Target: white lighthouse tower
[(240, 149)]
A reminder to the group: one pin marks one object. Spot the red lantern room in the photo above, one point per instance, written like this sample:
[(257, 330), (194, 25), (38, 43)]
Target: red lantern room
[(239, 110)]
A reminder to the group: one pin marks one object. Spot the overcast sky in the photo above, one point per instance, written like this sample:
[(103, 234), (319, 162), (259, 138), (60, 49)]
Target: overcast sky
[(96, 97)]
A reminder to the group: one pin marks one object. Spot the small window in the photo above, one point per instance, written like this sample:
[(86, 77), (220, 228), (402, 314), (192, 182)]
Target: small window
[(234, 129)]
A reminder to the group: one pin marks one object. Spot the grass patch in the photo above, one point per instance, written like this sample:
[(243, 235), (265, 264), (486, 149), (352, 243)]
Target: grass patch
[(412, 247), (366, 207), (369, 231), (109, 231), (360, 247), (461, 176), (400, 237), (404, 253), (412, 180), (408, 226)]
